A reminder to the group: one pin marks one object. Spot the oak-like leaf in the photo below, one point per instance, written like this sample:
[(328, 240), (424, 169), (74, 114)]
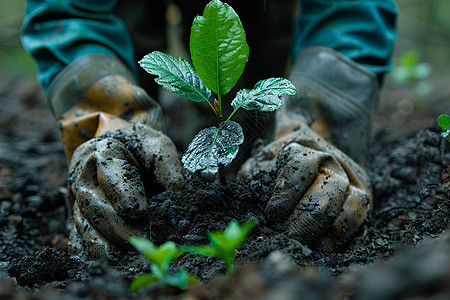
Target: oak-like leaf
[(265, 95), (176, 76), (212, 147), (141, 281)]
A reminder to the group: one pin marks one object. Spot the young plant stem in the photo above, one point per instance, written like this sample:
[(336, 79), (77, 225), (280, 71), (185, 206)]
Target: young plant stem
[(222, 175), (219, 109), (229, 117), (229, 263)]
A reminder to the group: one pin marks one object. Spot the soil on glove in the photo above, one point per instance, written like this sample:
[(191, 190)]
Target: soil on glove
[(402, 251)]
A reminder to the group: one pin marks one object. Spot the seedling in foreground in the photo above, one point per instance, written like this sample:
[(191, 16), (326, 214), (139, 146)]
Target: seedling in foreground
[(219, 52), (160, 257), (224, 243), (444, 122)]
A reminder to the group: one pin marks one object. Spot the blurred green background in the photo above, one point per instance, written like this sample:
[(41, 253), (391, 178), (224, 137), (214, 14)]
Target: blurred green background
[(417, 91), (14, 61), (418, 87)]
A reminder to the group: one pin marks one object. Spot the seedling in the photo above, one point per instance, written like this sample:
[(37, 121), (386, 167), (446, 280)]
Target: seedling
[(409, 70), (444, 122), (219, 52), (224, 243), (160, 257)]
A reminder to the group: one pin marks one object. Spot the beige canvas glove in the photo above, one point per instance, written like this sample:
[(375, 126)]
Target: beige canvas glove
[(118, 156), (321, 195)]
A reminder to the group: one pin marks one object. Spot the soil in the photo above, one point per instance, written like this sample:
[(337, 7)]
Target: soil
[(402, 251)]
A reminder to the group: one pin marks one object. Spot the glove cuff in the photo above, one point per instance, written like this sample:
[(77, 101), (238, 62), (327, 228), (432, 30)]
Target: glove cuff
[(337, 92), (73, 81)]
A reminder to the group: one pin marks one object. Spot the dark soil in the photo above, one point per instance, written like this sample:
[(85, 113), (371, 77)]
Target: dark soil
[(403, 250)]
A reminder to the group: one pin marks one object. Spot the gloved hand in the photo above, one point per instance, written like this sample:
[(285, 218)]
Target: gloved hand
[(118, 156), (321, 196)]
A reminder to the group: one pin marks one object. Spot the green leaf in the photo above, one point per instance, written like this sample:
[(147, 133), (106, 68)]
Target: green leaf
[(192, 279), (265, 96), (212, 146), (158, 273), (224, 243), (219, 240), (200, 250), (248, 226), (176, 76), (409, 58), (218, 46), (164, 254), (233, 237), (181, 279), (161, 256), (233, 230), (443, 121), (141, 281), (145, 247)]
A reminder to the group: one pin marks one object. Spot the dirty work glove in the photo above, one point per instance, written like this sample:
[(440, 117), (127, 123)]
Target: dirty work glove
[(118, 156), (321, 195)]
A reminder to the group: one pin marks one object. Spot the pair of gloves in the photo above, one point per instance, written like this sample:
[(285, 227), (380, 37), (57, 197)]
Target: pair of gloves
[(119, 156)]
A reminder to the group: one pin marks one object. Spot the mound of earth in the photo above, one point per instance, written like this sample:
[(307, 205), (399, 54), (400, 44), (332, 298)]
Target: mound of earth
[(401, 251)]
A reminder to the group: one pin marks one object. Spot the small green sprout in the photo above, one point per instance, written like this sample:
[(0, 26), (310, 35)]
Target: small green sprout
[(219, 53), (224, 243), (408, 69), (444, 122), (160, 257)]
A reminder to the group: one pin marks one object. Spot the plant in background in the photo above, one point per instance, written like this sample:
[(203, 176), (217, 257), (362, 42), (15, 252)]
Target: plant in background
[(219, 52), (444, 122), (408, 69), (160, 257), (224, 243)]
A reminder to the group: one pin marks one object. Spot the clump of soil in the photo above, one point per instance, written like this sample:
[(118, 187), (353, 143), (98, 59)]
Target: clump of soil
[(411, 186), (186, 219), (43, 266)]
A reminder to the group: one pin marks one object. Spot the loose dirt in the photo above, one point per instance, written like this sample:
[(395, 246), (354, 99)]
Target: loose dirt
[(402, 251)]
